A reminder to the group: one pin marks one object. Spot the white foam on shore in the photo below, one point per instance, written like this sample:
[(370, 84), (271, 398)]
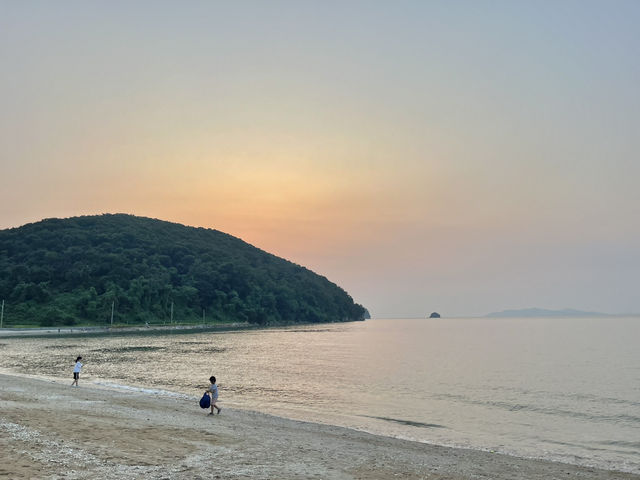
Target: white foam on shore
[(102, 384), (146, 391), (44, 378)]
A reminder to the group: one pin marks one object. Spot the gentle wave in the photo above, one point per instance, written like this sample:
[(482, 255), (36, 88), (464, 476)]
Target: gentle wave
[(514, 407), (411, 423), (621, 443), (150, 391), (582, 397)]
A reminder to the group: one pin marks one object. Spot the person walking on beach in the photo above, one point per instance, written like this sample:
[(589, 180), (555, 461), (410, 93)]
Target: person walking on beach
[(76, 371), (213, 393)]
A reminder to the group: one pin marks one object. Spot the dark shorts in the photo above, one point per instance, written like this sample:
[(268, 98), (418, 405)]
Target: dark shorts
[(76, 375)]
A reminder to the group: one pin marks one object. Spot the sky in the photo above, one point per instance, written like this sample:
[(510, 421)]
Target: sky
[(454, 156)]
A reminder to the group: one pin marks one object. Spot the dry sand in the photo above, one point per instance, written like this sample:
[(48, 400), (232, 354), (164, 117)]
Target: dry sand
[(49, 430)]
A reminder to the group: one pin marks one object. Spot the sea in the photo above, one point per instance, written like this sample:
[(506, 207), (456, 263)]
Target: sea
[(563, 389)]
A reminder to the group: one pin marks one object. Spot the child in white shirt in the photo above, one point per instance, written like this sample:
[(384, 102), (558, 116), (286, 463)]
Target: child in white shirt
[(213, 393), (76, 371)]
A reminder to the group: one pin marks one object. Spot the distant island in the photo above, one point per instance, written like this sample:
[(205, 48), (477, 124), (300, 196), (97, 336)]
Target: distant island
[(122, 269), (434, 315), (541, 312)]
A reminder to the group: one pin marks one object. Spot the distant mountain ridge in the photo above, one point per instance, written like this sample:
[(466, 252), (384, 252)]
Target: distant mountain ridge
[(541, 312)]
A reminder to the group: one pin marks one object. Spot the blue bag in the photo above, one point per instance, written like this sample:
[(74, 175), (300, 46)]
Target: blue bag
[(205, 401)]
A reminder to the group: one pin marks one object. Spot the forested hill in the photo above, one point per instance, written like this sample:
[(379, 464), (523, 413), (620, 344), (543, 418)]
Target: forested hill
[(70, 271)]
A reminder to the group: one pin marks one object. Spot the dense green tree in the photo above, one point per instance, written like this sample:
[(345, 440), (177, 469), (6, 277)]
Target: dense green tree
[(70, 271)]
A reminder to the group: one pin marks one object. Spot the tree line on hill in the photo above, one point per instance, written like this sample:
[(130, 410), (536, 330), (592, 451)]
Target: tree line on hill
[(72, 271)]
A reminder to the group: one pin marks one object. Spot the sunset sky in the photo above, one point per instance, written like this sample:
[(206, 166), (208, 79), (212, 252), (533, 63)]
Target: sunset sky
[(457, 156)]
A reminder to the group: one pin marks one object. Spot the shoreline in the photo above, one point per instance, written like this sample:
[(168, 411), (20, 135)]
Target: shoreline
[(92, 330), (49, 332), (49, 429)]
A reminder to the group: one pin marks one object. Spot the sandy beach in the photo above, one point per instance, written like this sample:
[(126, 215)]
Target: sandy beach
[(51, 430)]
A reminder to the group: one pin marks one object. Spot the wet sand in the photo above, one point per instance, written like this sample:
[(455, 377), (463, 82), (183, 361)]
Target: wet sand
[(51, 430)]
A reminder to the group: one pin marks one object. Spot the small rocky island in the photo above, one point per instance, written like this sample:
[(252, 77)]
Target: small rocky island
[(434, 315)]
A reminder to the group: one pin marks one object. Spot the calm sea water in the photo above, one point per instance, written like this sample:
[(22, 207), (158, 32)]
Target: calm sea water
[(557, 388)]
